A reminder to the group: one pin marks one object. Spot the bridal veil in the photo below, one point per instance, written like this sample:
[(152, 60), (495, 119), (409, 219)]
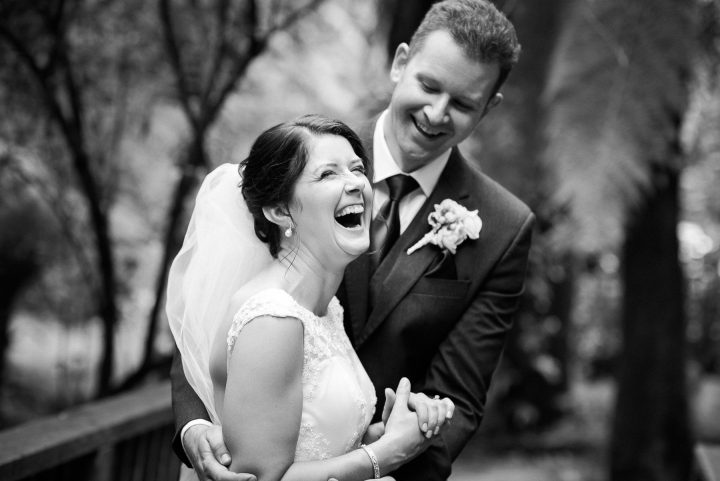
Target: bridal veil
[(219, 254)]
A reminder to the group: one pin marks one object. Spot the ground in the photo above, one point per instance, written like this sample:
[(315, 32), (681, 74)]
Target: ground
[(571, 450)]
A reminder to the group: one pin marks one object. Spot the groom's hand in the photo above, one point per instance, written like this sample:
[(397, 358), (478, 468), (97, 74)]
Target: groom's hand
[(432, 413), (209, 456)]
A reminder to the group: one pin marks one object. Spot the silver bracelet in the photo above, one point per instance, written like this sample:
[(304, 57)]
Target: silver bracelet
[(373, 460)]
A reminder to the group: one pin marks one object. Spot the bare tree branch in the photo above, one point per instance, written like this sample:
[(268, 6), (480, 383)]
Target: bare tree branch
[(257, 45), (71, 125), (221, 51), (214, 106), (176, 61), (55, 203), (293, 17)]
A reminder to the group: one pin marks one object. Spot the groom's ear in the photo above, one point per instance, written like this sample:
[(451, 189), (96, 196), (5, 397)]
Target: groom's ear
[(400, 60), (278, 215)]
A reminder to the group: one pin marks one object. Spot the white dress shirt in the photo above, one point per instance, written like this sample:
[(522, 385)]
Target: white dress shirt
[(384, 166)]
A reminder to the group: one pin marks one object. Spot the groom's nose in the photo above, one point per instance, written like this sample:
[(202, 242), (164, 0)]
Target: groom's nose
[(436, 111)]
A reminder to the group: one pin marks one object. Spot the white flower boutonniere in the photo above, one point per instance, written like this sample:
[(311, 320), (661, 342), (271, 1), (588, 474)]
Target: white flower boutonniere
[(450, 225)]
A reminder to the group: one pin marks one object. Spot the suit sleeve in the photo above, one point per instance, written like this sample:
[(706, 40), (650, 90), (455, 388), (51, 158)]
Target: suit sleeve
[(466, 359), (186, 405)]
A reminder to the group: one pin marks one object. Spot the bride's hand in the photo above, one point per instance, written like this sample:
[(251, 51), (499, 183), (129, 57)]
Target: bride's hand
[(432, 413), (402, 440), (374, 432)]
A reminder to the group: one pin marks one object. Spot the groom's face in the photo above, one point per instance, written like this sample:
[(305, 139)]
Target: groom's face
[(440, 96)]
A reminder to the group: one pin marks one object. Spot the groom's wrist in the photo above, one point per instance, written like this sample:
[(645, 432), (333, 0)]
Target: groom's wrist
[(186, 428)]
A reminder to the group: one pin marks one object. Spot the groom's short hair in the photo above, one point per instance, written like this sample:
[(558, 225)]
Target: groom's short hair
[(482, 32)]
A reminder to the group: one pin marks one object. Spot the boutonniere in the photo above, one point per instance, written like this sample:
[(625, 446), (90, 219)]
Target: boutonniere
[(450, 225)]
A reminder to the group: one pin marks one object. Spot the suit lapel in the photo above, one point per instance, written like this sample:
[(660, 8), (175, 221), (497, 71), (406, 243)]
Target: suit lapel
[(357, 275), (398, 272)]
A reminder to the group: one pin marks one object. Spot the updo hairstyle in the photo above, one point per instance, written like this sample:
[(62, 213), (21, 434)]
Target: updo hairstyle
[(275, 162)]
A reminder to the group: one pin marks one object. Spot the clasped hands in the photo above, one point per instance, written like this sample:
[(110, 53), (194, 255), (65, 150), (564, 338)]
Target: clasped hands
[(430, 414), (209, 456)]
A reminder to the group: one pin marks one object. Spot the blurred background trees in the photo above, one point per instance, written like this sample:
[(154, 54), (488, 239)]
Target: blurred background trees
[(113, 112)]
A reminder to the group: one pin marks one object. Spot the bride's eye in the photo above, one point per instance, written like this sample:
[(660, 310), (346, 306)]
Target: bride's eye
[(325, 174)]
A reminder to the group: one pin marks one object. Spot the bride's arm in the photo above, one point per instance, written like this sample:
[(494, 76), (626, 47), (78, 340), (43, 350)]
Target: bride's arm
[(262, 408), (263, 397)]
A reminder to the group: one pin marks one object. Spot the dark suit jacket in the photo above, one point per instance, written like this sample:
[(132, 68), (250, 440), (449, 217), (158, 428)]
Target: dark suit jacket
[(441, 320)]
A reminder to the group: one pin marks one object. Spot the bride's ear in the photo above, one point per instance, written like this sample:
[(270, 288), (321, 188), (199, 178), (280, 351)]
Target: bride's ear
[(278, 215)]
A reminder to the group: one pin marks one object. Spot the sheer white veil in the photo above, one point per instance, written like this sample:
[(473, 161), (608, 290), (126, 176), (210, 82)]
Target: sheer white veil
[(219, 254)]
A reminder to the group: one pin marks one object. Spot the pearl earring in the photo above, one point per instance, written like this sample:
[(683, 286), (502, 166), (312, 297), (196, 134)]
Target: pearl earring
[(289, 231)]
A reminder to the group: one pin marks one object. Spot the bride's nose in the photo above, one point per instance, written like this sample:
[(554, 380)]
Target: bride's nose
[(353, 184)]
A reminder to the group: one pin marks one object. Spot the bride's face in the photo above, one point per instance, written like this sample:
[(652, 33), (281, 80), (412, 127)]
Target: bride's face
[(331, 201)]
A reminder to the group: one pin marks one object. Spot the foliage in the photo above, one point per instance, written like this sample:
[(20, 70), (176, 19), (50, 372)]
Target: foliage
[(76, 59), (137, 136), (618, 74), (699, 233)]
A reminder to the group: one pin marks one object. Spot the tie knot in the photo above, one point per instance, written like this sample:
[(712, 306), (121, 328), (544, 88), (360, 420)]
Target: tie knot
[(400, 185)]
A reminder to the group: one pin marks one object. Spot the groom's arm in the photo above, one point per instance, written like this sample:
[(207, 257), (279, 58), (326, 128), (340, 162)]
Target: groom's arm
[(186, 404), (463, 366), (206, 444)]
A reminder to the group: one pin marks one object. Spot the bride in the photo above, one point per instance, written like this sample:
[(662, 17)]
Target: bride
[(251, 306)]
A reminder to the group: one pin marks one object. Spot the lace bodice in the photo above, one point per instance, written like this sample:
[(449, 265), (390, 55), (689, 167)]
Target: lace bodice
[(338, 396)]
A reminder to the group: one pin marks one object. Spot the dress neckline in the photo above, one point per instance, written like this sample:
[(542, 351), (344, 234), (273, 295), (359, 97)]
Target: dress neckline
[(294, 301)]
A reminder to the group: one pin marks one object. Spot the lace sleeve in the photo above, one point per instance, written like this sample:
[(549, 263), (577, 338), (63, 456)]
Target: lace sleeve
[(272, 302)]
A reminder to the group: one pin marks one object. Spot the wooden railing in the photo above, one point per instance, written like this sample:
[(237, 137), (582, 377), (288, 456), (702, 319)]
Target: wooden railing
[(123, 438), (127, 438)]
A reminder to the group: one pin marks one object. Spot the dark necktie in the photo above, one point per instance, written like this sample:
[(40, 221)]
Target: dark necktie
[(385, 228)]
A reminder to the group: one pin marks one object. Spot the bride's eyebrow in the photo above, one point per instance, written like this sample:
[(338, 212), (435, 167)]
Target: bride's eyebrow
[(334, 164), (325, 165)]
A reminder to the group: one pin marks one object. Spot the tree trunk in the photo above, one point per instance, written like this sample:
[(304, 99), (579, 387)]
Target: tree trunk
[(16, 273), (404, 18), (651, 437), (107, 305), (174, 233)]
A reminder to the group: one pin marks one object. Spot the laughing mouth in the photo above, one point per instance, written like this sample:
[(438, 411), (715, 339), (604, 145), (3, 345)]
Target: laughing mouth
[(427, 130), (350, 216)]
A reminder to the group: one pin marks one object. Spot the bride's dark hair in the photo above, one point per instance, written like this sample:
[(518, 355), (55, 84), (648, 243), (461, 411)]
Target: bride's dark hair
[(276, 160)]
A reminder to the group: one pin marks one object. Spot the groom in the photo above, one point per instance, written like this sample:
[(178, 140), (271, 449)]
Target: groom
[(436, 316)]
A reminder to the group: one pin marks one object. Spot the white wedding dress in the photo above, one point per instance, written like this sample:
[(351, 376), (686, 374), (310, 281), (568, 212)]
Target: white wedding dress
[(338, 396)]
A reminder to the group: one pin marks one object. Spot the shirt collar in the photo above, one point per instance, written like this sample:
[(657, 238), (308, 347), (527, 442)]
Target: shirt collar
[(384, 165)]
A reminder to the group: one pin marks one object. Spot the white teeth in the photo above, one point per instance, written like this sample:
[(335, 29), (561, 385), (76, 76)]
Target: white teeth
[(351, 209), (427, 129)]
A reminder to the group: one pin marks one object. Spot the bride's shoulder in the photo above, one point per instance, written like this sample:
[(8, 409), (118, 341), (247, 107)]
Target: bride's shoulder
[(253, 298), (273, 306)]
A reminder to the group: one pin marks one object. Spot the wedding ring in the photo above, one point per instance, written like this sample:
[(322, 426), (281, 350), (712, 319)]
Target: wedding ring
[(436, 397)]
